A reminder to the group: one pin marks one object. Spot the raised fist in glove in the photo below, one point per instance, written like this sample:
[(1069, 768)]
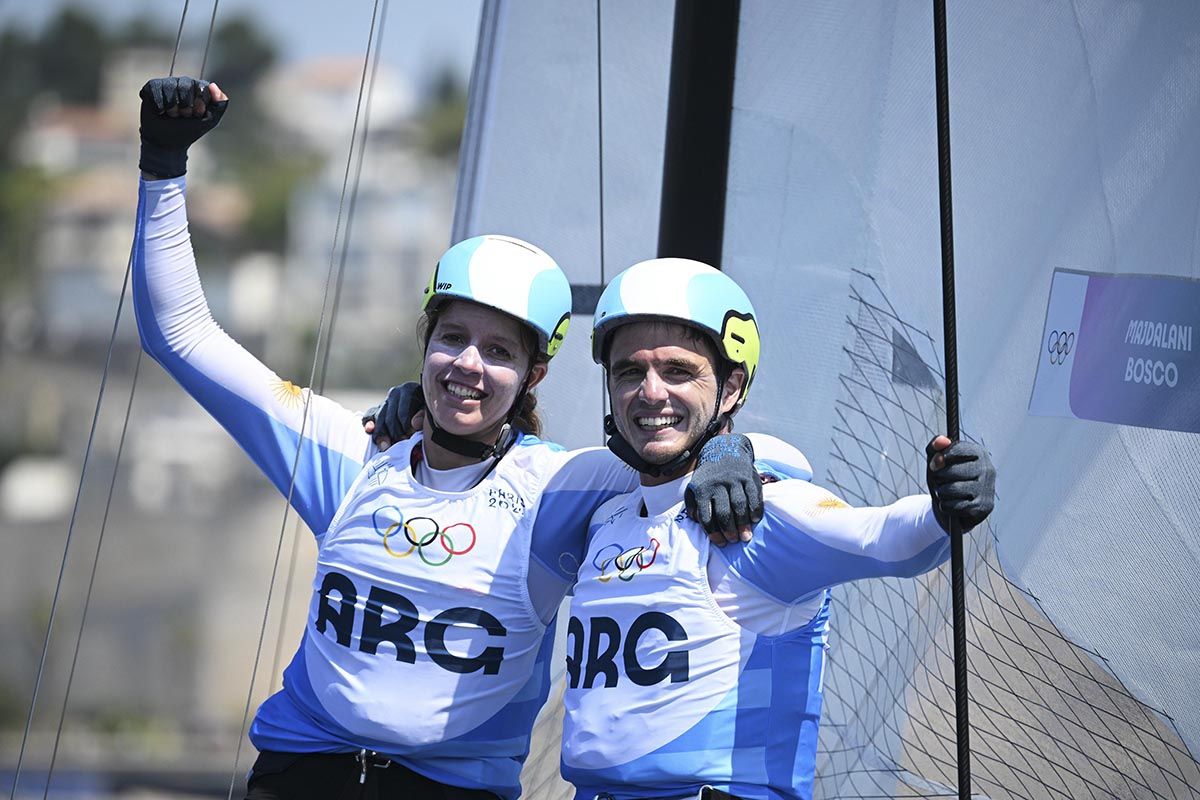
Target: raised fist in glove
[(175, 113), (961, 481)]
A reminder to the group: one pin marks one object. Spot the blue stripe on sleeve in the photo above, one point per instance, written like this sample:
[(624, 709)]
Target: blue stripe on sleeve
[(790, 565), (781, 471), (323, 476)]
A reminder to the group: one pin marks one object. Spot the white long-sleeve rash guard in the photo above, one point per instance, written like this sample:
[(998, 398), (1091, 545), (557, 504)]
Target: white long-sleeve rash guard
[(265, 414), (808, 540), (722, 649)]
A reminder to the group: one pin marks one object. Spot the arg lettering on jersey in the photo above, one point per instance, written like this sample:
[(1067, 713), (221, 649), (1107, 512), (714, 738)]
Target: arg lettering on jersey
[(1121, 349), (606, 645), (390, 617)]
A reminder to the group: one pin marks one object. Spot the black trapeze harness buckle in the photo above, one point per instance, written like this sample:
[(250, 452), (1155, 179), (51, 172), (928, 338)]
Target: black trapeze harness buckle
[(370, 758), (709, 793)]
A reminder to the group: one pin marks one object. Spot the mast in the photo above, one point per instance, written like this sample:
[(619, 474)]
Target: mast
[(699, 113), (958, 581)]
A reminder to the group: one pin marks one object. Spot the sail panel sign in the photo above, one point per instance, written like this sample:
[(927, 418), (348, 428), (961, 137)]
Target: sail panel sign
[(1121, 349)]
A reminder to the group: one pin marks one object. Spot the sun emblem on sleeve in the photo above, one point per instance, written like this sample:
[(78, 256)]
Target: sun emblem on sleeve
[(287, 393), (830, 503)]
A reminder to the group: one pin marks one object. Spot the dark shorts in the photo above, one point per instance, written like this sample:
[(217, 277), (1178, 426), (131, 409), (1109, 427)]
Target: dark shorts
[(342, 776)]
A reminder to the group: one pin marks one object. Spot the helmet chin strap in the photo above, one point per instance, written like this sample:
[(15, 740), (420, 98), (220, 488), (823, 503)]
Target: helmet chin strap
[(623, 450), (473, 448)]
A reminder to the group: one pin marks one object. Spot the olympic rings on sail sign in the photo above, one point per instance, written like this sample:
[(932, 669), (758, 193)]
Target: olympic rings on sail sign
[(1059, 346), (627, 562), (421, 533)]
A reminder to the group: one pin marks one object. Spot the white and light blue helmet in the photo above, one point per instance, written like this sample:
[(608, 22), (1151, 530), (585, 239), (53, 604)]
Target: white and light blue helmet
[(687, 292), (509, 275)]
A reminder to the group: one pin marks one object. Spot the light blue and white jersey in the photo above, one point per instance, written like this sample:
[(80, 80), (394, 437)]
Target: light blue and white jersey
[(422, 640), (427, 637), (691, 665)]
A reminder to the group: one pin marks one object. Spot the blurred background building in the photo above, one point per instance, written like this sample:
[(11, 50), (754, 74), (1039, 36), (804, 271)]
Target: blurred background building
[(190, 530)]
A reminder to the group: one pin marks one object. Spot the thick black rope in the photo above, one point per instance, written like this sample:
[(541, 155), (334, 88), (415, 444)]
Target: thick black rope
[(949, 336), (377, 19), (87, 453)]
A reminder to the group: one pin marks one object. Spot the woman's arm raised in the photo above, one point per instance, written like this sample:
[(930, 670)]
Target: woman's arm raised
[(281, 426)]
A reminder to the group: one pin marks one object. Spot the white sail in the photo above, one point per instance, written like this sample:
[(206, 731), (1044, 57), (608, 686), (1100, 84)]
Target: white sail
[(1076, 145)]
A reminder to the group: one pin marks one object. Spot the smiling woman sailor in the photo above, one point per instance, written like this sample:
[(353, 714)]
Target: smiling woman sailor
[(440, 563)]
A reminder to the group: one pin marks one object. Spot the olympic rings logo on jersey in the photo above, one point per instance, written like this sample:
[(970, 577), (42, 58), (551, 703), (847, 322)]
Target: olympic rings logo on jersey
[(627, 563), (420, 535), (1059, 346)]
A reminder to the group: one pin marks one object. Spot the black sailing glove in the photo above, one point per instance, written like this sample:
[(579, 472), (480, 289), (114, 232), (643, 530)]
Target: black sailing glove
[(725, 492), (165, 140), (964, 489), (393, 418)]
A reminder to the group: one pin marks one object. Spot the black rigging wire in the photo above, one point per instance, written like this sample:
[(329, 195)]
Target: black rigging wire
[(87, 452), (87, 600), (179, 36), (949, 335), (212, 21), (137, 368), (600, 168), (281, 633), (600, 129), (318, 382), (320, 374), (321, 340), (37, 684)]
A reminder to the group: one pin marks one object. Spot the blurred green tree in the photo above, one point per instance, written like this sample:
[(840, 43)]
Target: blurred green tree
[(70, 55), (248, 148), (24, 192), (271, 183), (139, 31), (18, 80), (240, 54), (444, 114)]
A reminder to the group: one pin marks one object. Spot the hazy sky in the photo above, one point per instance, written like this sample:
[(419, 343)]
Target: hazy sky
[(419, 35)]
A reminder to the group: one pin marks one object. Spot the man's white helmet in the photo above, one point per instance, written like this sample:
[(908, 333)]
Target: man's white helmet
[(683, 291)]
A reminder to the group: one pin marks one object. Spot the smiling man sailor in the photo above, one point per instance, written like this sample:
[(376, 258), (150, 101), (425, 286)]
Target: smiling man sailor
[(695, 671)]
